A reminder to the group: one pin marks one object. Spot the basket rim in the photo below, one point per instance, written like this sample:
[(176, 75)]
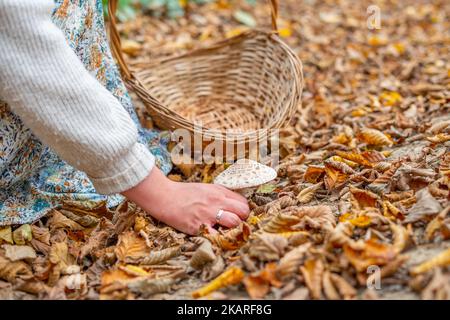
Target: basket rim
[(182, 122)]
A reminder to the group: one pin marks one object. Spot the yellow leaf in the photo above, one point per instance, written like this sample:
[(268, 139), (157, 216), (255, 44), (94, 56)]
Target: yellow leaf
[(386, 153), (374, 137), (439, 138), (232, 276), (399, 47), (134, 270), (236, 32), (377, 40), (285, 32), (131, 47), (391, 211), (23, 234), (441, 260), (361, 221), (354, 157), (253, 220), (6, 234), (360, 111), (341, 138), (223, 4), (348, 162), (390, 98)]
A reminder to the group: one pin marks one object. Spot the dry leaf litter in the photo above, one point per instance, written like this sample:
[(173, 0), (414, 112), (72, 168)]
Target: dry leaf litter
[(362, 188)]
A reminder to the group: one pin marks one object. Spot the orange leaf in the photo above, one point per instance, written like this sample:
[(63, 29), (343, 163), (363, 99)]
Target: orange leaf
[(232, 239), (131, 246), (313, 174), (355, 157), (258, 285), (361, 199), (370, 253), (333, 177), (312, 272)]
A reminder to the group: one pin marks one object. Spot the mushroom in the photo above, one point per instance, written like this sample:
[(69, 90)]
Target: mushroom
[(244, 175)]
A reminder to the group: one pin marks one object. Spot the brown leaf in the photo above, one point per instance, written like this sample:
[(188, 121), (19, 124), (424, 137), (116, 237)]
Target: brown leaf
[(374, 137), (369, 253), (328, 287), (344, 288), (11, 271), (361, 199), (231, 239), (307, 194), (15, 253), (290, 262), (58, 220), (256, 285), (131, 246), (425, 206), (6, 234), (312, 271), (313, 174)]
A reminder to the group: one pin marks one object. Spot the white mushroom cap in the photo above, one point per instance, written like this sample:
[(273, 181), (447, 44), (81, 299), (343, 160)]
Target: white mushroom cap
[(245, 173)]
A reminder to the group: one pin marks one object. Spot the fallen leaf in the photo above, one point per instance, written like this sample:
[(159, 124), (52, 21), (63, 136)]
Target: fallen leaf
[(370, 253), (131, 246), (22, 235), (231, 276), (6, 234), (312, 271), (441, 260), (426, 206), (15, 253)]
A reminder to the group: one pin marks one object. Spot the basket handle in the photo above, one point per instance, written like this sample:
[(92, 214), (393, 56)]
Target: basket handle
[(116, 46), (274, 10)]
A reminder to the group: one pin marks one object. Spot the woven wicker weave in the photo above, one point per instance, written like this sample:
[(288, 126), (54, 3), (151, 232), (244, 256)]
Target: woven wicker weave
[(249, 83)]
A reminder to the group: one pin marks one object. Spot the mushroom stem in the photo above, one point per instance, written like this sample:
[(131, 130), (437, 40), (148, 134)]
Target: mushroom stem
[(245, 192)]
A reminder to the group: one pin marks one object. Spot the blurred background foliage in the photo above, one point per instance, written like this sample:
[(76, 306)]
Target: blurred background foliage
[(128, 9)]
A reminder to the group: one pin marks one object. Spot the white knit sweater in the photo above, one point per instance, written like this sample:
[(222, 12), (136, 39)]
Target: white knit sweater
[(48, 87)]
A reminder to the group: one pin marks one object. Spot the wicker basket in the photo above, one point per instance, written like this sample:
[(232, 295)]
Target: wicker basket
[(238, 89)]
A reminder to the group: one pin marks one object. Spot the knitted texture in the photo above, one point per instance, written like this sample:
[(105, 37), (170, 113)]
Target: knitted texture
[(47, 86)]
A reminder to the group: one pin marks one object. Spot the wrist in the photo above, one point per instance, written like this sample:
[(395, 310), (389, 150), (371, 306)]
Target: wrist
[(152, 190)]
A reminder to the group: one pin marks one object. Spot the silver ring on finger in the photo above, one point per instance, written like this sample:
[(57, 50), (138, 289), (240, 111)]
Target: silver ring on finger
[(219, 215)]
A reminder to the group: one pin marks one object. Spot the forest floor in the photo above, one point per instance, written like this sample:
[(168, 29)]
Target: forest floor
[(360, 208)]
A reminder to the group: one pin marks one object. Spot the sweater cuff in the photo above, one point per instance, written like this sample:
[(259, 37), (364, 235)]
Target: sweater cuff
[(127, 172)]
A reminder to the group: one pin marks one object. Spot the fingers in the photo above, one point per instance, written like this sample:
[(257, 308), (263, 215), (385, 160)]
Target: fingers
[(233, 195), (240, 209), (229, 219)]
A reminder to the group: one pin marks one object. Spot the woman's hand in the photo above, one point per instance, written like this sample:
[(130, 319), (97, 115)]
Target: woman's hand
[(186, 206)]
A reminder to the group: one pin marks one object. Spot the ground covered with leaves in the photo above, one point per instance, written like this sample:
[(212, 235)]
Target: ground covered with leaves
[(362, 194)]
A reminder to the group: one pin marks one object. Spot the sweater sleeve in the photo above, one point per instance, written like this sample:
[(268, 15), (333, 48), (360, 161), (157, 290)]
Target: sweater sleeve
[(48, 87)]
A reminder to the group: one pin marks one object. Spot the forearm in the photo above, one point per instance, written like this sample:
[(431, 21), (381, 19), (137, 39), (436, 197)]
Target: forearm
[(45, 83)]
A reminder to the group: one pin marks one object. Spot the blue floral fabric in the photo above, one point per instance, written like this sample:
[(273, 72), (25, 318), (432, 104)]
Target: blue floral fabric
[(33, 179)]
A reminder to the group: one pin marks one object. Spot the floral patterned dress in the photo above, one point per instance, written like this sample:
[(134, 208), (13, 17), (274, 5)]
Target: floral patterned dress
[(33, 179)]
